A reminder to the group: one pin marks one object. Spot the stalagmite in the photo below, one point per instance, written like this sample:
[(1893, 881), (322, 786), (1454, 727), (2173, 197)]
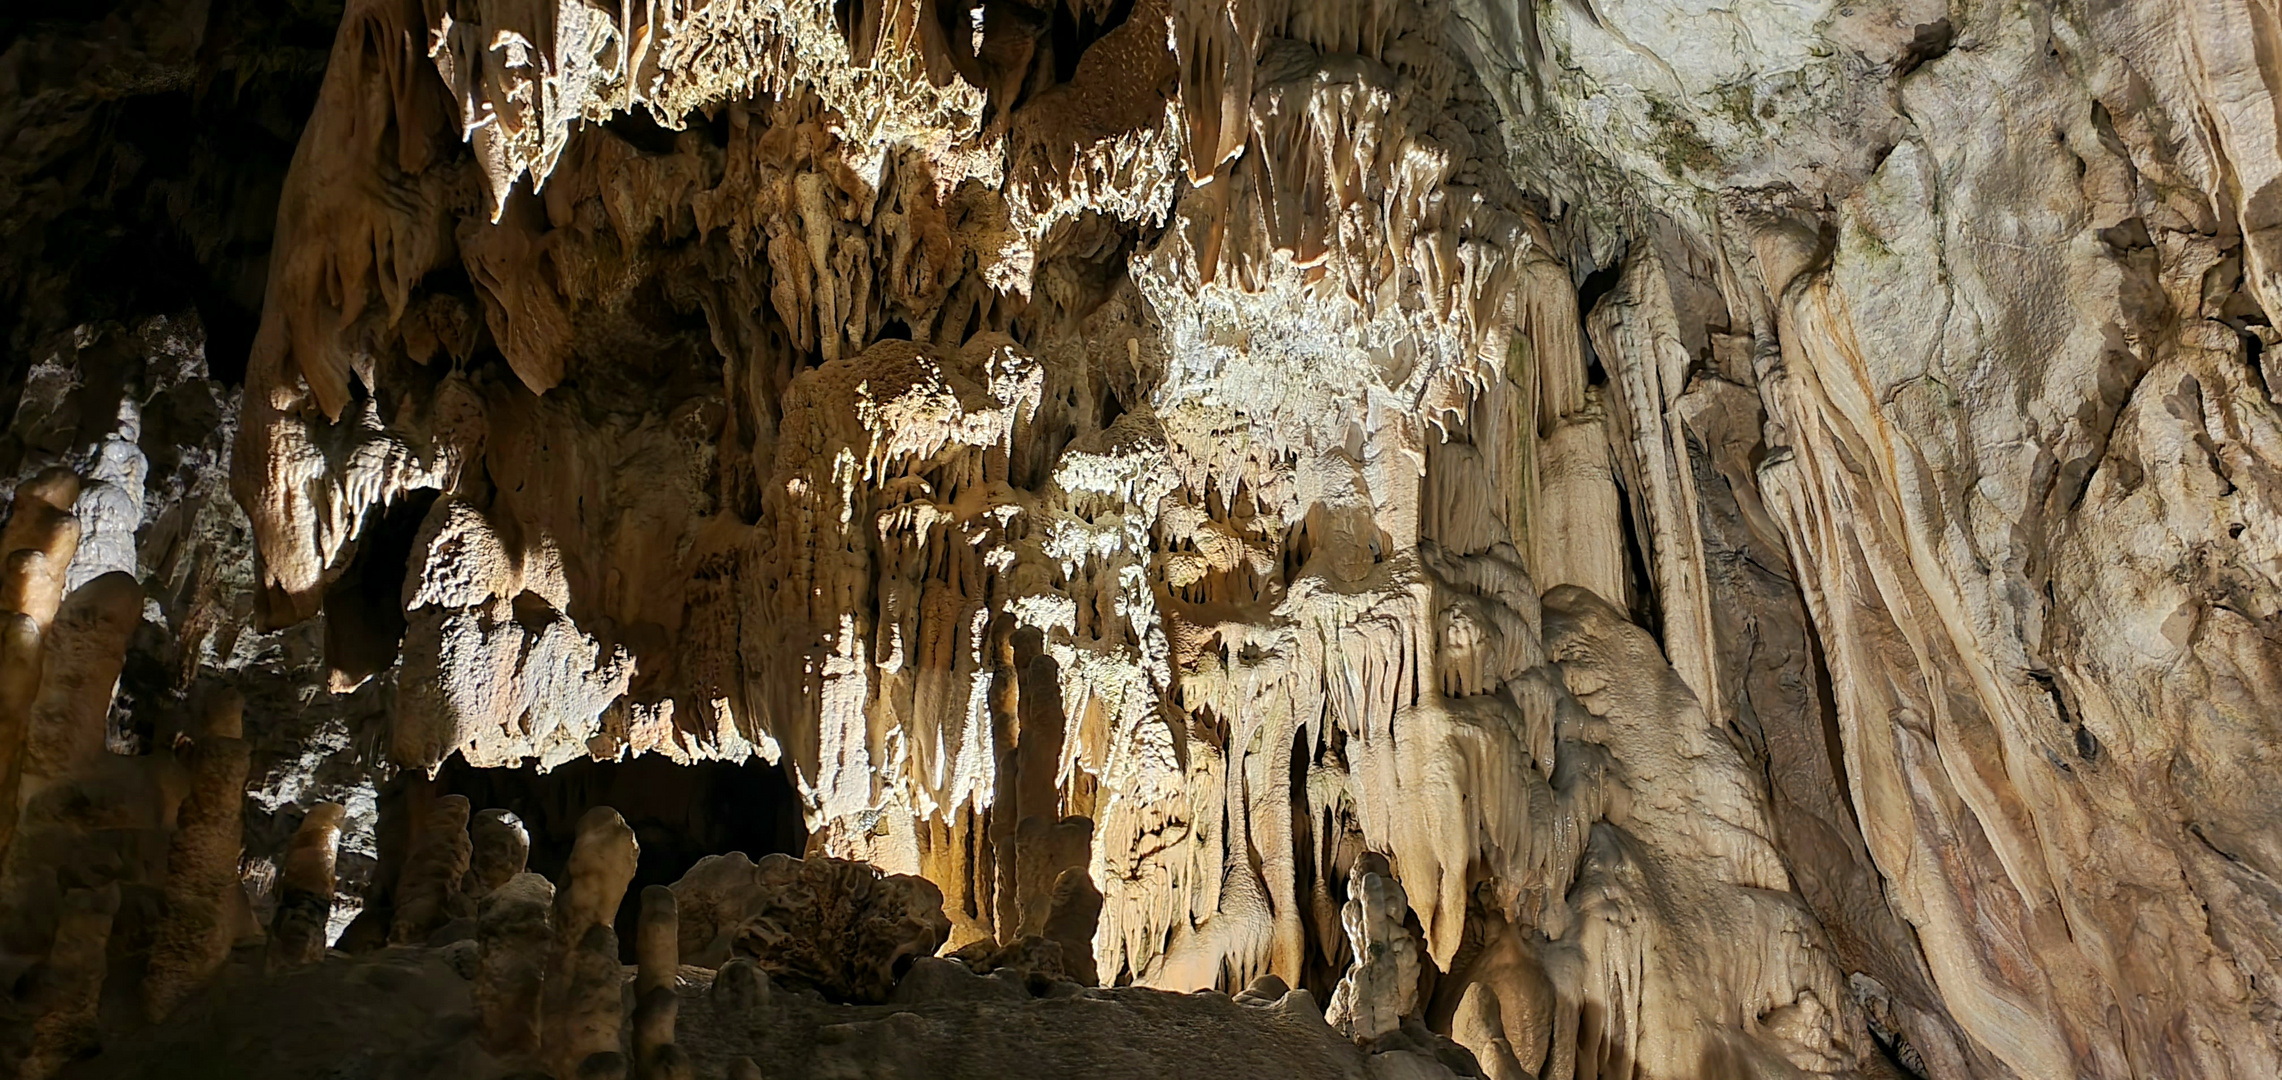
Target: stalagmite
[(515, 943), (1381, 986), (499, 848), (1502, 1005), (739, 989), (602, 861), (38, 544), (203, 897), (297, 933), (428, 891), (69, 988), (36, 547), (657, 948), (583, 1011), (1070, 923), (20, 667), (84, 649), (584, 1007)]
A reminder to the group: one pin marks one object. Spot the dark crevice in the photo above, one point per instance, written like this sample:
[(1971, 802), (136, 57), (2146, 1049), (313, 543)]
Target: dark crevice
[(364, 609), (2052, 687), (1898, 1052), (1826, 707), (1642, 599), (2195, 829), (1309, 885), (642, 131), (1074, 33), (1595, 374), (716, 126), (1596, 284), (2087, 744), (2128, 236), (2104, 126)]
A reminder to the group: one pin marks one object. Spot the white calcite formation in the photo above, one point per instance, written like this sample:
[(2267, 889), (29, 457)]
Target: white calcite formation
[(1589, 539)]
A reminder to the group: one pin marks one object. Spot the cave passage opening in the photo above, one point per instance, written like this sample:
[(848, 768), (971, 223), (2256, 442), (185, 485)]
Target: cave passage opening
[(679, 813)]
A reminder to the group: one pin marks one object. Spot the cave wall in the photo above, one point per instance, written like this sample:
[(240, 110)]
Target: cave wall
[(1758, 516)]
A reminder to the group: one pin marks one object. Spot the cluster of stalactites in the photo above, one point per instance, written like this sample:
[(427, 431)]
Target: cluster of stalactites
[(1343, 654), (521, 88), (889, 494), (1351, 188)]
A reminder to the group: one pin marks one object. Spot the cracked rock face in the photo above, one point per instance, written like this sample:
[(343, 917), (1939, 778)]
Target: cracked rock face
[(1598, 539)]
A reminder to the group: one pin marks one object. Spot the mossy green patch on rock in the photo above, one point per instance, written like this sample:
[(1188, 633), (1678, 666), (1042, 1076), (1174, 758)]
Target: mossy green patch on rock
[(1682, 149)]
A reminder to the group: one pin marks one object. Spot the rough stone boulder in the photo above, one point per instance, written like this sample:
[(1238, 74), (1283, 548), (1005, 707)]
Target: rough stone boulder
[(845, 929)]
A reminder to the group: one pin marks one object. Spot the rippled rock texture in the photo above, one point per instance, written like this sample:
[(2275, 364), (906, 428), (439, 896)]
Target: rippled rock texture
[(1629, 538)]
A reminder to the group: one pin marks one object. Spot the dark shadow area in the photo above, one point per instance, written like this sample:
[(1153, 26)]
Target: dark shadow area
[(364, 609), (151, 170), (680, 813), (1075, 31)]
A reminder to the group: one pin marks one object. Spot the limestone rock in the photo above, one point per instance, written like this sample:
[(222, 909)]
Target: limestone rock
[(583, 1013), (934, 978), (499, 849), (70, 989), (838, 927), (297, 935), (428, 894), (1381, 987), (202, 892), (739, 989), (1752, 528), (602, 862), (656, 1003), (514, 946)]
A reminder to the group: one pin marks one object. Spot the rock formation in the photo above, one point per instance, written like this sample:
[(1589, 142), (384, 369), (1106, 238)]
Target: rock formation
[(514, 941), (1381, 985), (203, 895), (499, 849), (428, 893), (298, 933), (1588, 539), (840, 928), (657, 1002)]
